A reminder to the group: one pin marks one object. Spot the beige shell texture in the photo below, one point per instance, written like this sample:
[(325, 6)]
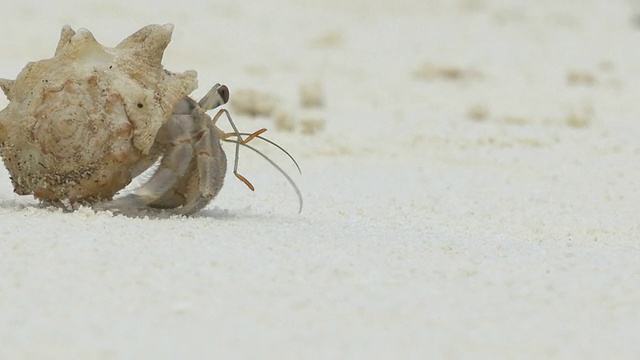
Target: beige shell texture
[(81, 124)]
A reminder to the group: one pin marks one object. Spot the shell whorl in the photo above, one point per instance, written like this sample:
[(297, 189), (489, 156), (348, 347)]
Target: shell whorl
[(78, 121)]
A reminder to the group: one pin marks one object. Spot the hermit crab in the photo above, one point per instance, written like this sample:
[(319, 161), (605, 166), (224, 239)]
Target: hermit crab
[(81, 125)]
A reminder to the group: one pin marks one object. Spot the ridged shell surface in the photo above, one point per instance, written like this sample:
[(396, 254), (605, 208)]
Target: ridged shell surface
[(79, 125)]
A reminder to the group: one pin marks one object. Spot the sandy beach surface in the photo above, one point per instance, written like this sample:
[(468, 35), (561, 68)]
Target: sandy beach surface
[(470, 179)]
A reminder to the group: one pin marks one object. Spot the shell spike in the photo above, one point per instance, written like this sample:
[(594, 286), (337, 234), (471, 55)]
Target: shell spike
[(6, 86), (65, 37), (77, 44), (149, 42), (84, 36)]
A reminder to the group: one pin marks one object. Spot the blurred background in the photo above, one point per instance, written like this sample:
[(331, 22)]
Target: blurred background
[(366, 71)]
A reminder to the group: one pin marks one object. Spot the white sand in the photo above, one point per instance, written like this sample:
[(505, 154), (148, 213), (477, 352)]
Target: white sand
[(474, 193)]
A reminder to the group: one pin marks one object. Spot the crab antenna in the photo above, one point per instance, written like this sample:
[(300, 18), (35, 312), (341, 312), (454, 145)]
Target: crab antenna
[(267, 141), (289, 179), (238, 143)]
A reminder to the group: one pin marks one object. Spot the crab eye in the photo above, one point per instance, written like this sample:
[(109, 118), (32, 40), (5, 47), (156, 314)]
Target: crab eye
[(223, 91)]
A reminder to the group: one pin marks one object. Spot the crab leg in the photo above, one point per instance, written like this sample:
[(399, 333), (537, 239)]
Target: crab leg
[(174, 165), (211, 166)]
